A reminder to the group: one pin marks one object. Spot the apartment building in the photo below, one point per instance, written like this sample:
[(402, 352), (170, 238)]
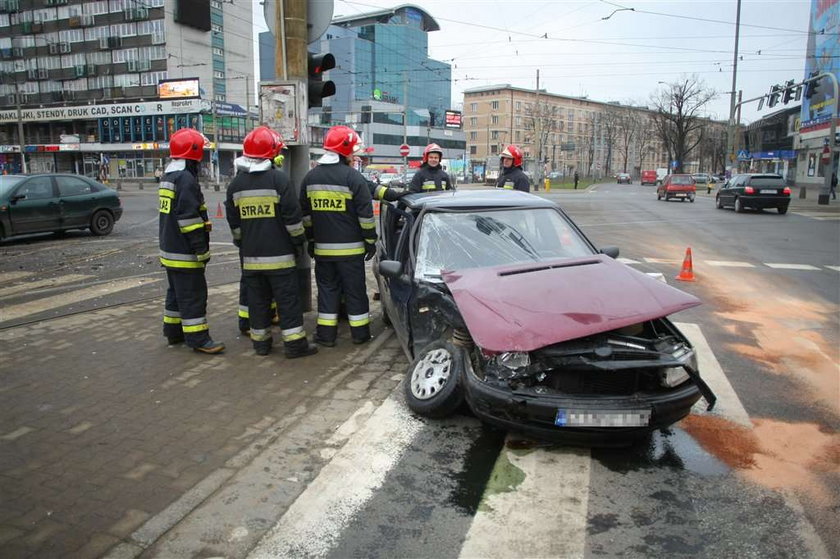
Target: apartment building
[(79, 81)]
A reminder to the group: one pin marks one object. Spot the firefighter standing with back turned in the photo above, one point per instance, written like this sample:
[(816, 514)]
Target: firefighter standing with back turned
[(512, 176), (431, 176), (341, 231), (264, 217), (184, 236)]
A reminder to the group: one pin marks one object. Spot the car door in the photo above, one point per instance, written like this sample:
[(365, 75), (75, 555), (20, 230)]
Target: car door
[(77, 200), (34, 206), (397, 292), (726, 191)]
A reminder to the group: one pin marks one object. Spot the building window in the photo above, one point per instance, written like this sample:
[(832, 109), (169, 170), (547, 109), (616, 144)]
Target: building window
[(494, 105), (473, 136), (494, 135), (216, 4), (218, 52), (218, 74), (519, 105), (518, 139), (473, 121), (494, 149), (571, 114), (494, 119), (473, 107), (216, 27), (473, 150)]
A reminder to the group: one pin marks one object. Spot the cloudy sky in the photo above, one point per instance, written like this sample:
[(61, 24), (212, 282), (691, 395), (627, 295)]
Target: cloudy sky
[(613, 50)]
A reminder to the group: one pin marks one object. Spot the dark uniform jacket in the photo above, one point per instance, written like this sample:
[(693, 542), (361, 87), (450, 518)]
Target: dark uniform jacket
[(183, 225), (513, 178), (428, 179), (264, 216), (337, 211)]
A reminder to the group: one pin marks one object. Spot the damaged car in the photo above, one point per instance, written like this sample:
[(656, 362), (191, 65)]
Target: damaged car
[(500, 301)]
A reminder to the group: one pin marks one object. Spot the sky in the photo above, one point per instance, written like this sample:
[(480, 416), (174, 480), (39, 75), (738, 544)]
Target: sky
[(612, 50)]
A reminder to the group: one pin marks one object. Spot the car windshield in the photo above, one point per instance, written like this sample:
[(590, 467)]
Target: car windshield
[(681, 180), (775, 182), (454, 241), (7, 182)]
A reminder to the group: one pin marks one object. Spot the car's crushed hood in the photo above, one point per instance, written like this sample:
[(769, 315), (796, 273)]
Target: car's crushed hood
[(528, 306)]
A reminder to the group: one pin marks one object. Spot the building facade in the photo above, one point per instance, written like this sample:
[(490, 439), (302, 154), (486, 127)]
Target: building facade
[(79, 82), (387, 87)]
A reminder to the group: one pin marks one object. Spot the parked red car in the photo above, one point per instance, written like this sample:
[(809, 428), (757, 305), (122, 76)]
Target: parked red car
[(648, 177), (682, 187)]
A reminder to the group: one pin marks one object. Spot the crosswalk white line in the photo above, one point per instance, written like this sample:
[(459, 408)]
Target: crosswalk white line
[(628, 261), (25, 309), (661, 260), (52, 282), (728, 264), (835, 268), (11, 276), (314, 522), (791, 266)]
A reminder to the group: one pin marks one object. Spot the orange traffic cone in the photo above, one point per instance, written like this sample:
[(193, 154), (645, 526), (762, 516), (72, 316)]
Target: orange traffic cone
[(687, 272), (219, 212)]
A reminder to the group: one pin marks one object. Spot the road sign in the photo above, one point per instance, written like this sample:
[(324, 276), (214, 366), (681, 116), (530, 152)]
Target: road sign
[(404, 149), (744, 155), (319, 15)]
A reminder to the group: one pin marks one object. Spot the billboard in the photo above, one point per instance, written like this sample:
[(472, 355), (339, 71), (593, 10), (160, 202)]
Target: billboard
[(823, 46), (453, 119), (181, 88)]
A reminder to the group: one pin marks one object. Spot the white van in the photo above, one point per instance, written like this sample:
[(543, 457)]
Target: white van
[(661, 173)]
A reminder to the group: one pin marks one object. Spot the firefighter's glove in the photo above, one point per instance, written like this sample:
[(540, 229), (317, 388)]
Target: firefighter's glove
[(310, 247), (394, 193), (208, 226), (237, 243), (370, 251)]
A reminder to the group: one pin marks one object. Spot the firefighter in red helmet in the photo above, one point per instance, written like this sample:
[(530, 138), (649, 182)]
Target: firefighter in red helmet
[(512, 176), (431, 176), (265, 219), (341, 231), (184, 234)]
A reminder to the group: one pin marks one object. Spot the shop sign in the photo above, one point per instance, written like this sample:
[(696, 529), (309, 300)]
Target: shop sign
[(90, 112), (9, 149)]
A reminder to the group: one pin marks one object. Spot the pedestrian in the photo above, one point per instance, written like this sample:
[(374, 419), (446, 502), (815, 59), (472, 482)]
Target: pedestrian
[(577, 178), (512, 176), (264, 216), (341, 232), (431, 176), (833, 190), (158, 174), (185, 244)]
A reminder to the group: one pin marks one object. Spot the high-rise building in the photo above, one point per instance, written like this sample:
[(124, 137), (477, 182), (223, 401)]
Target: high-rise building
[(382, 71), (80, 81)]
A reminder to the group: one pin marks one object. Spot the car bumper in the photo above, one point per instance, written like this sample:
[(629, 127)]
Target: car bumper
[(763, 202), (117, 213), (680, 193), (534, 415)]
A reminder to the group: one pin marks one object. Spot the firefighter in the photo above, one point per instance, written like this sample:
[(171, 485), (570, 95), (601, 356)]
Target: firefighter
[(264, 217), (341, 231), (512, 176), (184, 232), (431, 175)]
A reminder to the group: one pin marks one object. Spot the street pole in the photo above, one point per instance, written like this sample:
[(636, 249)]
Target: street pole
[(730, 140), (405, 120), (823, 197), (216, 129), (23, 166)]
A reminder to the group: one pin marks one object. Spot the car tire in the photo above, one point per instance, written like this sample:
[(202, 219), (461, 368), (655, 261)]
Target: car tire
[(658, 196), (739, 206), (386, 320), (718, 203), (782, 209), (102, 223), (432, 382), (691, 199)]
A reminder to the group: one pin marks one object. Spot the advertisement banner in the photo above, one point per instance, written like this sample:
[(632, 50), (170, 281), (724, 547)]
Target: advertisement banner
[(823, 46), (91, 112)]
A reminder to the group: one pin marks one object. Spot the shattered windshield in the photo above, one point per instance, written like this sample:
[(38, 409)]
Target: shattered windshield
[(454, 241)]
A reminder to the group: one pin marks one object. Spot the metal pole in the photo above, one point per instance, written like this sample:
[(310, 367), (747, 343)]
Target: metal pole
[(23, 165), (823, 197), (730, 137), (216, 129), (405, 120)]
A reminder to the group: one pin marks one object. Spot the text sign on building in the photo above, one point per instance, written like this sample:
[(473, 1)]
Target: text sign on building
[(453, 119), (90, 112), (183, 88)]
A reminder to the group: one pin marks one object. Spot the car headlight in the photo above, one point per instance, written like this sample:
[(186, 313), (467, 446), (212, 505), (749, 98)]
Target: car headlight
[(513, 359), (674, 376)]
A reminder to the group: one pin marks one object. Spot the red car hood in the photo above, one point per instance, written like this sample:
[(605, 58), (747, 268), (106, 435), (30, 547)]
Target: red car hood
[(525, 307)]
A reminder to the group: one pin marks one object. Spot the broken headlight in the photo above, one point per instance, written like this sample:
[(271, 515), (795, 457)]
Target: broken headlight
[(675, 376), (508, 365)]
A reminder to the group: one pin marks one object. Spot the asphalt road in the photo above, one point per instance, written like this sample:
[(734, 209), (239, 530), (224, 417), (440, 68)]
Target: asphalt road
[(112, 444)]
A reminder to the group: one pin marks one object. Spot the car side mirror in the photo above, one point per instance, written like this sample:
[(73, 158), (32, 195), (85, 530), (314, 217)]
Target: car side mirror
[(390, 268), (612, 252)]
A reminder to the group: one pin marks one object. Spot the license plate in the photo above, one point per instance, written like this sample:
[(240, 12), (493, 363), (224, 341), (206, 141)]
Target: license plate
[(768, 191), (680, 195), (608, 418)]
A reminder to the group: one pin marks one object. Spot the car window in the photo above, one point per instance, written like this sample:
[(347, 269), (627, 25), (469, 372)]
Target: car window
[(72, 186), (36, 188), (774, 182), (492, 238), (7, 182)]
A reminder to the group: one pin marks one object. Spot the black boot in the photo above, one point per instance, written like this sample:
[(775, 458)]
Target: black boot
[(263, 347), (210, 347), (299, 348)]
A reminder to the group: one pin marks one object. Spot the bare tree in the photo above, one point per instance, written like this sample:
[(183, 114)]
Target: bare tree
[(712, 149), (627, 120), (540, 122), (611, 123), (645, 134), (679, 116)]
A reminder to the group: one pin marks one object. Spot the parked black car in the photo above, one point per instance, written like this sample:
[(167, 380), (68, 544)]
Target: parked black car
[(55, 203), (754, 191), (500, 300)]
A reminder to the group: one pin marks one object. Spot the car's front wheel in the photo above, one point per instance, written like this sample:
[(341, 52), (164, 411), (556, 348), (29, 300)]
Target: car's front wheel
[(718, 203), (691, 198), (102, 223), (433, 380), (782, 209), (739, 206)]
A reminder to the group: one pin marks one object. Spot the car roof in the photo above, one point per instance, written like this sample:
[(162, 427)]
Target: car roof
[(485, 198)]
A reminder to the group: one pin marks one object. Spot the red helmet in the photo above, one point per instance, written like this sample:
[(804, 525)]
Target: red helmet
[(187, 143), (343, 140), (281, 145), (262, 143), (514, 153), (432, 148)]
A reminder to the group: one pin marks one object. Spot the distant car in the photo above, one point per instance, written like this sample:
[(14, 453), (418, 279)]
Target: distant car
[(528, 322), (754, 191), (624, 178), (55, 203), (681, 187), (703, 180), (648, 177), (661, 173)]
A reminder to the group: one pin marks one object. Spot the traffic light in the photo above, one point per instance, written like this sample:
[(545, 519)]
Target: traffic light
[(811, 87), (787, 96), (775, 93), (317, 88)]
